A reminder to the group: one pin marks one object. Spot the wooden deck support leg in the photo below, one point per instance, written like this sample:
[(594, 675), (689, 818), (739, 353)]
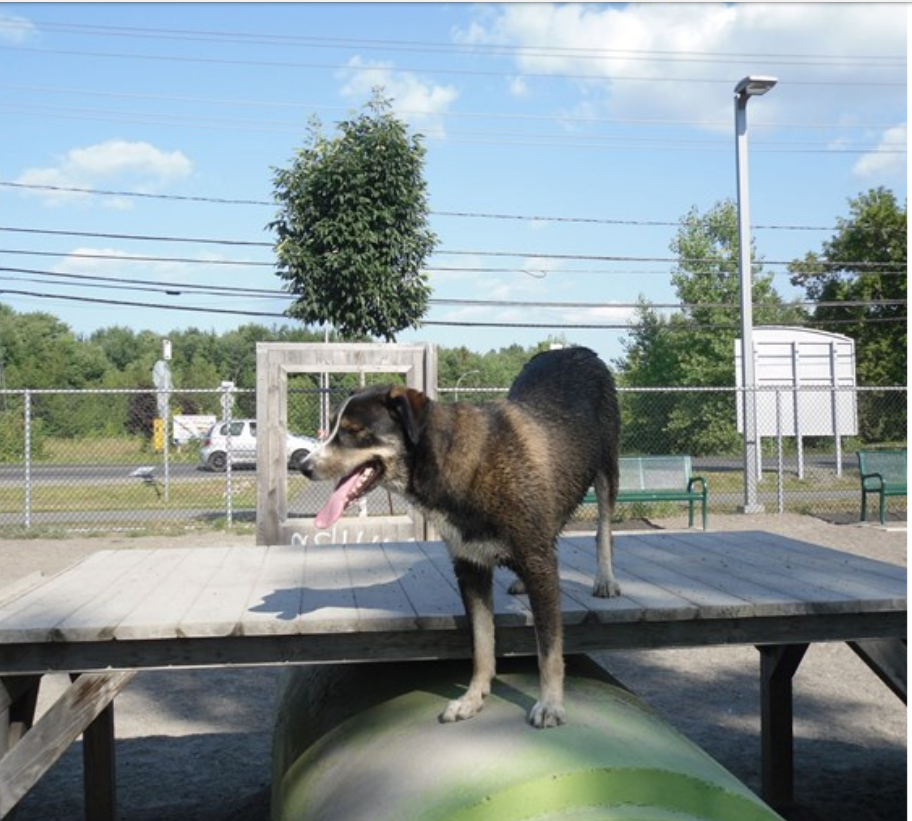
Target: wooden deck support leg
[(98, 767), (887, 658), (778, 665)]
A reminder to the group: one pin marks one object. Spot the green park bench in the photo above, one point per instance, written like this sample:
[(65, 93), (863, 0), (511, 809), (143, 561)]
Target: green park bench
[(660, 479), (882, 472)]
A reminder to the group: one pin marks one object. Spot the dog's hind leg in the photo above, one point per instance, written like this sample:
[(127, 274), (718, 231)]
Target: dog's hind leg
[(605, 584), (476, 584)]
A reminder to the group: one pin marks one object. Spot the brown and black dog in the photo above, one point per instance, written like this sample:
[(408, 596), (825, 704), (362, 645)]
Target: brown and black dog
[(499, 482)]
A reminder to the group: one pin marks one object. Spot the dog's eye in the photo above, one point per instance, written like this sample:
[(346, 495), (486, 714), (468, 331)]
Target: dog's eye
[(351, 435)]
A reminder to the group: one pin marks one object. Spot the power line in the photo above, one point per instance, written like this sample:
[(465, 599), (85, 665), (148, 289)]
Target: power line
[(444, 252), (68, 189), (484, 137), (450, 115), (176, 289), (286, 64), (562, 52), (558, 325)]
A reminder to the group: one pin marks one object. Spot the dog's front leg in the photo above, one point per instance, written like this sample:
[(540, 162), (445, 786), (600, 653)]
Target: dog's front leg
[(476, 584), (541, 581)]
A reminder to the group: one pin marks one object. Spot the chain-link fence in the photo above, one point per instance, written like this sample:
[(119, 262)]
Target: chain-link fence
[(97, 460)]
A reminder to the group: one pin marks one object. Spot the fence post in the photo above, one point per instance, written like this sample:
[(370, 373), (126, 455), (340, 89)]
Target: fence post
[(227, 402), (780, 472), (27, 410)]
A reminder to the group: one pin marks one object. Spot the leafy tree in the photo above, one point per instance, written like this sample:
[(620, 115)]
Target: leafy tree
[(695, 347), (352, 230), (864, 265)]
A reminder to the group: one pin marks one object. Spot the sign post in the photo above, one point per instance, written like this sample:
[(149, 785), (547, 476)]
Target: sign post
[(161, 378)]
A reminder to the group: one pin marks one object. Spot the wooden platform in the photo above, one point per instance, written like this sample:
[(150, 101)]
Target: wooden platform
[(135, 609)]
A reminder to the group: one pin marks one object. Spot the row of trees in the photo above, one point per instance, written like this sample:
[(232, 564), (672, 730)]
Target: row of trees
[(857, 283), (857, 280), (351, 244)]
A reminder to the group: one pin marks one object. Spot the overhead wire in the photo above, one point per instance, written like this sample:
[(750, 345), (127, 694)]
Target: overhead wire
[(446, 252), (499, 49)]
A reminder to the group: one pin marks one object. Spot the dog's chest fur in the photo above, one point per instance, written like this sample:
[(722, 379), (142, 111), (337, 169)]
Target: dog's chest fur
[(486, 553)]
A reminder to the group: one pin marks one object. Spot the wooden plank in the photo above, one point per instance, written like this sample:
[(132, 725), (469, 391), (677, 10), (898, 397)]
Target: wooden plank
[(677, 579), (639, 600), (328, 601), (98, 767), (871, 572), (99, 617), (186, 573), (35, 616), (432, 594), (740, 571), (275, 598), (18, 588), (826, 569), (888, 659), (219, 608), (778, 665), (380, 599), (67, 718)]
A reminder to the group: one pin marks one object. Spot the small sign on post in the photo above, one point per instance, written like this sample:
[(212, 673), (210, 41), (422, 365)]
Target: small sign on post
[(158, 434)]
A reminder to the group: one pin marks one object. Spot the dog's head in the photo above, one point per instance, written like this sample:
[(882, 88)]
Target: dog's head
[(368, 443)]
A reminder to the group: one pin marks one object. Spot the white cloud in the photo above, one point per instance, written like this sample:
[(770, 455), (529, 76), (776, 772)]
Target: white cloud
[(418, 101), (595, 45), (16, 30), (139, 166), (888, 160)]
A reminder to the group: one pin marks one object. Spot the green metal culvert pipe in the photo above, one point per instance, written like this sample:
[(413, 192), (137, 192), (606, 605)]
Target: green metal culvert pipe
[(363, 743)]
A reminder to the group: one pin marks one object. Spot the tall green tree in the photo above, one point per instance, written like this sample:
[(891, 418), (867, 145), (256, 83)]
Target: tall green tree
[(352, 231), (695, 346), (864, 266)]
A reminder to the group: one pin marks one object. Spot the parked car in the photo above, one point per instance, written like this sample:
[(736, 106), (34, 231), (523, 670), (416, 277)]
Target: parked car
[(214, 452)]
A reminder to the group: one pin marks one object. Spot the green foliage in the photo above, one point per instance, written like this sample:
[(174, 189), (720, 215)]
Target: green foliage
[(865, 262), (352, 230), (695, 347)]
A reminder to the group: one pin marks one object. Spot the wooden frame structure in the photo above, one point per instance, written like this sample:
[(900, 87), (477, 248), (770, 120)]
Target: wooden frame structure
[(275, 362)]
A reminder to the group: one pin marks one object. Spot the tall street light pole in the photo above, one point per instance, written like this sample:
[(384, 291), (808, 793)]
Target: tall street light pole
[(752, 86)]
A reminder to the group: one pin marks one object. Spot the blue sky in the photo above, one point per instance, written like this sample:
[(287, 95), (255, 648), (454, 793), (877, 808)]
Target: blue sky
[(564, 143)]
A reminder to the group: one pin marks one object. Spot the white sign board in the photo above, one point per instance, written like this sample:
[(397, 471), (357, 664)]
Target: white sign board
[(189, 427), (811, 374)]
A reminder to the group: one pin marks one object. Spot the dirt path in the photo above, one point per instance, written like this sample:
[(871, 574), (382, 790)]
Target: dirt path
[(195, 745)]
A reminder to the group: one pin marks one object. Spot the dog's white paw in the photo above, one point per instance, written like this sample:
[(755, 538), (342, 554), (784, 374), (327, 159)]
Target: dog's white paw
[(462, 708), (547, 714), (606, 588)]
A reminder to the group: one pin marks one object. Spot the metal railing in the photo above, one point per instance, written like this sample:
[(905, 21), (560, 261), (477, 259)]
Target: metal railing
[(89, 461)]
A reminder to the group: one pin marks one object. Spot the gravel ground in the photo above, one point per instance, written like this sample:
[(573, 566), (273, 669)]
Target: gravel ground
[(195, 745)]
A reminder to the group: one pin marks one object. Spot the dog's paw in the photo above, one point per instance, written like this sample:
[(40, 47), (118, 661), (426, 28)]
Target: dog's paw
[(547, 714), (462, 708), (606, 588), (518, 588)]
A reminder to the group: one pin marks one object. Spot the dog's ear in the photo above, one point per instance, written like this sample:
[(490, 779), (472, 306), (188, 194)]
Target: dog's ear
[(409, 407)]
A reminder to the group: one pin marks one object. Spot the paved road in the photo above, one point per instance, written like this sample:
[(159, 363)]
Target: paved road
[(103, 474), (13, 475)]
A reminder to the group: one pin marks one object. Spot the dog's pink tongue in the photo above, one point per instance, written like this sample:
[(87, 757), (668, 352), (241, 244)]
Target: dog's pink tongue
[(335, 507)]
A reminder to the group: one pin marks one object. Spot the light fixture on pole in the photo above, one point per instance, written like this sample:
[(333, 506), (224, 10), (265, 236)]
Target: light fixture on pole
[(753, 86)]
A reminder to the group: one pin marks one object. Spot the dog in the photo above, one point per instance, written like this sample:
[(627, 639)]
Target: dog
[(499, 481)]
